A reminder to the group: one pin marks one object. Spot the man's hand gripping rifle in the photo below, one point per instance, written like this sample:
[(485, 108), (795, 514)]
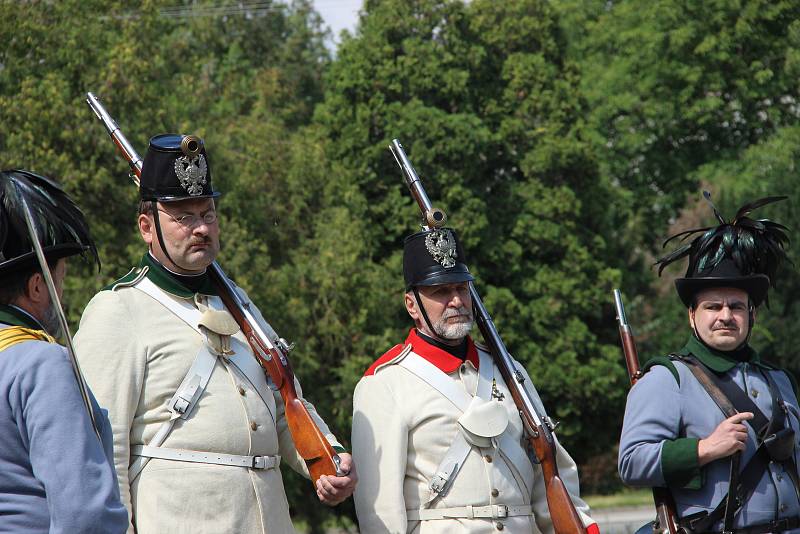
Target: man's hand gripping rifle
[(270, 350), (665, 522), (565, 517)]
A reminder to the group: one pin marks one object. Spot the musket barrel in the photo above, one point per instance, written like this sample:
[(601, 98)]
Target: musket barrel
[(620, 308), (433, 217), (128, 152), (626, 338)]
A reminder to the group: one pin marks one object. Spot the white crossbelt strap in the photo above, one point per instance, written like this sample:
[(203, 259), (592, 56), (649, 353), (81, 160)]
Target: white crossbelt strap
[(444, 384), (490, 511), (198, 376), (181, 403), (180, 307), (182, 455), (242, 359)]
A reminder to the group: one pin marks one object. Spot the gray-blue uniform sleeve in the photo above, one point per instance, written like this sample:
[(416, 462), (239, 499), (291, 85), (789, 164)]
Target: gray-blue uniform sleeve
[(652, 449), (65, 454)]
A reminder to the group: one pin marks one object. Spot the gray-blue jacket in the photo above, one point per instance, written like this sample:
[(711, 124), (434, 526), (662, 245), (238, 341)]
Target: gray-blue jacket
[(667, 414), (54, 474)]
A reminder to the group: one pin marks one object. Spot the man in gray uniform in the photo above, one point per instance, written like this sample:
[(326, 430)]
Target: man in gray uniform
[(714, 419), (55, 475)]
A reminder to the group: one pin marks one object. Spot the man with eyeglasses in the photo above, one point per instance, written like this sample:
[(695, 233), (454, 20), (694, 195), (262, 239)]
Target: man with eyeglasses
[(199, 435)]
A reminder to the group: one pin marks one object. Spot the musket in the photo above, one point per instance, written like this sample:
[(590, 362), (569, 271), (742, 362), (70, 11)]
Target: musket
[(538, 427), (666, 517), (55, 302), (270, 350)]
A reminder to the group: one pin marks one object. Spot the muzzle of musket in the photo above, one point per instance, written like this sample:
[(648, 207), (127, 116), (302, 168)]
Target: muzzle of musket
[(435, 217)]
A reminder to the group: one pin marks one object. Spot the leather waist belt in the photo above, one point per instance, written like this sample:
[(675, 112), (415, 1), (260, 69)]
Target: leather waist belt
[(491, 511), (183, 455)]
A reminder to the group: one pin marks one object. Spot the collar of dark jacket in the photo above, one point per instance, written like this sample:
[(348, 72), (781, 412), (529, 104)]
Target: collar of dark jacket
[(13, 316), (176, 284)]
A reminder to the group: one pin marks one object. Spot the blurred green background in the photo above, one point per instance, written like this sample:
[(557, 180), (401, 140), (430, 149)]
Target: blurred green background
[(565, 140)]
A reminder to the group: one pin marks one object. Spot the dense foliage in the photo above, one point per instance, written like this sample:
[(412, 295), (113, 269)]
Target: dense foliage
[(564, 139)]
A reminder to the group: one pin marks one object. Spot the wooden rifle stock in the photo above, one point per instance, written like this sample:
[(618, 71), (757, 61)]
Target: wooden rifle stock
[(563, 514), (666, 516), (309, 441)]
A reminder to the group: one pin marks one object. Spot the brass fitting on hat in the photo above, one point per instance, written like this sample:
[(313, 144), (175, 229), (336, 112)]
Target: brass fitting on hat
[(191, 145)]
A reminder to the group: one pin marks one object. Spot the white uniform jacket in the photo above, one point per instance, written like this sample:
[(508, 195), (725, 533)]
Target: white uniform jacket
[(135, 352), (403, 427)]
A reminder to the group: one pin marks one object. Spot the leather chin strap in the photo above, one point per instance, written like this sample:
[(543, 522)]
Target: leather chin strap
[(422, 309), (154, 212)]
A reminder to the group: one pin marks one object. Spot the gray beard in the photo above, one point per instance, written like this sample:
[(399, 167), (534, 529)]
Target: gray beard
[(456, 331), (51, 323)]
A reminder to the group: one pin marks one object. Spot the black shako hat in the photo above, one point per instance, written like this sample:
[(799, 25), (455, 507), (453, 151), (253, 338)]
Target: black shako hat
[(59, 222), (434, 257), (175, 168), (743, 253)]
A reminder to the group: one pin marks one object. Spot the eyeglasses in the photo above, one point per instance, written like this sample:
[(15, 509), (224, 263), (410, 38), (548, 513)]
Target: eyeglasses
[(190, 220)]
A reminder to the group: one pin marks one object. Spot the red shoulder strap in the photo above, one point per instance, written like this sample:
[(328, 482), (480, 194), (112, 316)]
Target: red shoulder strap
[(391, 353)]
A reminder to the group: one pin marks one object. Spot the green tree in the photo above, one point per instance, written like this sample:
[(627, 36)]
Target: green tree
[(245, 79), (673, 85), (486, 103)]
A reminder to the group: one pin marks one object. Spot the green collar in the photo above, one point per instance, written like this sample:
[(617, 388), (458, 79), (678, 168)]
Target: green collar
[(169, 282), (14, 316), (717, 360)]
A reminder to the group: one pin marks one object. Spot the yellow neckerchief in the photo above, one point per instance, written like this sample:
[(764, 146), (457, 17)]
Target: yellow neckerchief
[(17, 334)]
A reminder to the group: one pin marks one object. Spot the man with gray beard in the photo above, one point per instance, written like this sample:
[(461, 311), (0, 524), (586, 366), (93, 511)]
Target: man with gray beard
[(436, 435)]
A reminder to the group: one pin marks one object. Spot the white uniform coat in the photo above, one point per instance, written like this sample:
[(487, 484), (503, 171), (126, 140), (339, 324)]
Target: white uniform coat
[(134, 353), (402, 430)]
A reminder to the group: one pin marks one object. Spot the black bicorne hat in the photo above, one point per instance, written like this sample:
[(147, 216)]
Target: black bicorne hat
[(60, 224), (176, 168), (743, 253), (434, 257)]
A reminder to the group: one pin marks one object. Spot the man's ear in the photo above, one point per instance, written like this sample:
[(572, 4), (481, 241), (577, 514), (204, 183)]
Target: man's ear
[(411, 305), (147, 228), (36, 289), (690, 313)]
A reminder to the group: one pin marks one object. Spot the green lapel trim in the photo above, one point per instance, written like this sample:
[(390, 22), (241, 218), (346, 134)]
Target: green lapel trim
[(717, 360), (14, 316)]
